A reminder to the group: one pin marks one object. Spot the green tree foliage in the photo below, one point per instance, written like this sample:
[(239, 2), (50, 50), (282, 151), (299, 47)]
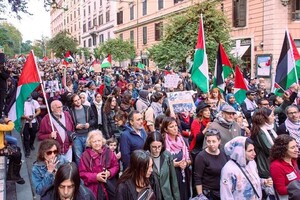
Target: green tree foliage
[(62, 43), (181, 32), (26, 47), (10, 39), (119, 49), (14, 6), (83, 50)]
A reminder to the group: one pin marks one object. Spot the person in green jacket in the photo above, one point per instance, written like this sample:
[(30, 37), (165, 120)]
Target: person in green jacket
[(163, 167)]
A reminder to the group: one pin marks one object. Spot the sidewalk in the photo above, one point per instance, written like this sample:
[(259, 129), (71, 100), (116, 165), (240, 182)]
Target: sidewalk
[(23, 192)]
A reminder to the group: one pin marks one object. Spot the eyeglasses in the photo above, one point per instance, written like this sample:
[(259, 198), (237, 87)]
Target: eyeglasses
[(292, 113), (50, 152)]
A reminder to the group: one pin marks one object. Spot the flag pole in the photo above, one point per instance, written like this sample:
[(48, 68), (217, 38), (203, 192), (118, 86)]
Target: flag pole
[(44, 94)]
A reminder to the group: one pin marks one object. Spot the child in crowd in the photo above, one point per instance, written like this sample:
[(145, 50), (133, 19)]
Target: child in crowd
[(112, 144)]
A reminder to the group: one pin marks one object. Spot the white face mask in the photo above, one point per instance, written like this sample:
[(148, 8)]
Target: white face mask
[(29, 99)]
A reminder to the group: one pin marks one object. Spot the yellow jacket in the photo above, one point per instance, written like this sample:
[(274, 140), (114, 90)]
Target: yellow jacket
[(3, 128)]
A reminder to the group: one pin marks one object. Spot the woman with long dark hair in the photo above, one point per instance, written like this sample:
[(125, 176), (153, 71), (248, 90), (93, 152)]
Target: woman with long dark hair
[(109, 110), (97, 108), (67, 185), (135, 182), (163, 167), (263, 135)]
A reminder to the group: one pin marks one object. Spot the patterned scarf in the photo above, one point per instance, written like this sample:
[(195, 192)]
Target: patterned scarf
[(294, 129), (175, 146)]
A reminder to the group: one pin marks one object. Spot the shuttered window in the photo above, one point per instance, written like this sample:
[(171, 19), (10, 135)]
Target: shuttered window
[(239, 13)]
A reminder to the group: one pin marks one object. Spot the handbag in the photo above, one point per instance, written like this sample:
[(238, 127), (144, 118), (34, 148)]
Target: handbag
[(111, 184), (247, 179), (71, 135), (146, 194)]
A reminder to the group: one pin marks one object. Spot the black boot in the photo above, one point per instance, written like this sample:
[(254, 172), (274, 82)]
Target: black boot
[(12, 176), (17, 168)]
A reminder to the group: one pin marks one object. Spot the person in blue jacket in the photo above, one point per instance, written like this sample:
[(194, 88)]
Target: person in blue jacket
[(133, 137)]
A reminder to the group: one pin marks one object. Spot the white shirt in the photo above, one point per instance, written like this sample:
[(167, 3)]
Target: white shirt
[(30, 108)]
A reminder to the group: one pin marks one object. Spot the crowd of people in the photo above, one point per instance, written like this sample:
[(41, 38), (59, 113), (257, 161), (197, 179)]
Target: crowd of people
[(112, 135)]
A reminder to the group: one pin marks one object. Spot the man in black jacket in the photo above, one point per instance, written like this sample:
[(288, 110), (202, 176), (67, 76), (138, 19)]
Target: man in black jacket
[(84, 121), (3, 86)]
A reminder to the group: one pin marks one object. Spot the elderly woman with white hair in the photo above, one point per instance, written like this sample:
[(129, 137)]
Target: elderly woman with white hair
[(98, 166)]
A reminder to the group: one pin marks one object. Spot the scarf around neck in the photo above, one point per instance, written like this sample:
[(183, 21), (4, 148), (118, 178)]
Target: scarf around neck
[(174, 147), (294, 129), (267, 129)]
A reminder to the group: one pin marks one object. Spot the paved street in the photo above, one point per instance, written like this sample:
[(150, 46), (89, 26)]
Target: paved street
[(23, 192)]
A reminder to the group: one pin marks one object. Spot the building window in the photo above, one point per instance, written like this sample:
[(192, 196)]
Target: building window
[(71, 29), (144, 7), (79, 25), (89, 24), (89, 9), (107, 16), (108, 35), (160, 4), (177, 1), (95, 21), (74, 27), (78, 11), (132, 35), (131, 12), (239, 13), (84, 28), (84, 43), (71, 17), (67, 19), (296, 13), (64, 22), (120, 17), (74, 14), (94, 39), (79, 40), (100, 3), (158, 31), (101, 38), (121, 36), (95, 5), (145, 35), (297, 43), (100, 19), (84, 12), (90, 42)]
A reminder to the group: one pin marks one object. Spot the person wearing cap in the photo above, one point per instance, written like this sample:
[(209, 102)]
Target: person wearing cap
[(249, 105), (252, 85), (226, 125)]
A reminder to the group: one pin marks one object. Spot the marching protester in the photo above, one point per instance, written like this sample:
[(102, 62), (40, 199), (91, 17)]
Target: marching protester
[(31, 111), (84, 120), (63, 126)]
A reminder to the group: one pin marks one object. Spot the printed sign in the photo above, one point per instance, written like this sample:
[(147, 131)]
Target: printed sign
[(171, 81), (181, 101)]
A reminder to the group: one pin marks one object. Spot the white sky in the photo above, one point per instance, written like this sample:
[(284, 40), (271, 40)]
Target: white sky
[(33, 26)]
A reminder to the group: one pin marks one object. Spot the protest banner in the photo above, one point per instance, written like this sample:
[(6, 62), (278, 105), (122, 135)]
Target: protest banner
[(171, 81), (181, 101)]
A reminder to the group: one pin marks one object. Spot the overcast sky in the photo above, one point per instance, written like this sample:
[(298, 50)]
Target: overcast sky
[(34, 26)]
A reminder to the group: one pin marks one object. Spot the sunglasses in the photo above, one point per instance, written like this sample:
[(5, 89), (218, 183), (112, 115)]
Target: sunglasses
[(50, 152)]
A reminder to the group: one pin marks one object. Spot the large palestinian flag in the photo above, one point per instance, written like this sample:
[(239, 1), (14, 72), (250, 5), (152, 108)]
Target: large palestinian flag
[(286, 73), (28, 81), (106, 63), (240, 86), (199, 73)]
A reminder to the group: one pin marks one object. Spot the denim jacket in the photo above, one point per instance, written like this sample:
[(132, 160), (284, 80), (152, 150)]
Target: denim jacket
[(41, 178)]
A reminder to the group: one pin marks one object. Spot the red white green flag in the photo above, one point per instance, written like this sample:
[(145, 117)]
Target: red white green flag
[(28, 82), (240, 86), (68, 58), (199, 73), (223, 68), (296, 56), (106, 63)]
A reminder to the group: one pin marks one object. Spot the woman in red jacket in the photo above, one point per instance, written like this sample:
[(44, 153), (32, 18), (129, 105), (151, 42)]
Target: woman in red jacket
[(283, 167), (199, 127)]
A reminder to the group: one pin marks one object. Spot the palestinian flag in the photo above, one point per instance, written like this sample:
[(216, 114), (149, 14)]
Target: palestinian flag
[(28, 82), (240, 86), (286, 73), (106, 63), (199, 73), (68, 58), (296, 57), (223, 69), (141, 65)]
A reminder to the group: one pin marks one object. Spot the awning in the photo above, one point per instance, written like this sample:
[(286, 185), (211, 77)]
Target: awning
[(239, 51)]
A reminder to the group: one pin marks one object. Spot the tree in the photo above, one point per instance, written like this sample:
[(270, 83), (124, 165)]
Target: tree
[(180, 35), (119, 49), (85, 51), (26, 47), (62, 43), (14, 6), (10, 39)]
